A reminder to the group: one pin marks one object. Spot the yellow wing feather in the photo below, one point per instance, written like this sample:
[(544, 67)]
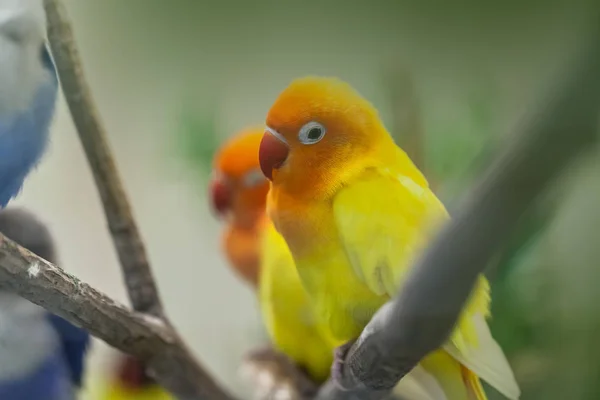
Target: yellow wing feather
[(286, 310), (384, 221), (383, 225)]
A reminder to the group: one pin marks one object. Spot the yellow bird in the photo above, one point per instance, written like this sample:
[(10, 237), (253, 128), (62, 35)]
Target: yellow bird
[(287, 312), (260, 255), (355, 211), (131, 383)]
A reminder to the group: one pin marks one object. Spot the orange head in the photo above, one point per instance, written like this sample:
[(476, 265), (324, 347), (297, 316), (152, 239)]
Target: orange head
[(238, 188), (317, 129)]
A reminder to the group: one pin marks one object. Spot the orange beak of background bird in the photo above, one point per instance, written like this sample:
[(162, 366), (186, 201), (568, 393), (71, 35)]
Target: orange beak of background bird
[(272, 153), (220, 196)]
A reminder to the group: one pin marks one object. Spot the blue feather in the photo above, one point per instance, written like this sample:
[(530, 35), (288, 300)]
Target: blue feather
[(24, 136), (75, 342), (46, 382)]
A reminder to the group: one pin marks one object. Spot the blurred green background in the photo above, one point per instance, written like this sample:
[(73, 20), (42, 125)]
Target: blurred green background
[(174, 79)]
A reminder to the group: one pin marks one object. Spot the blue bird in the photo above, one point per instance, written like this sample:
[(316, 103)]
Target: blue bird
[(24, 133), (42, 356)]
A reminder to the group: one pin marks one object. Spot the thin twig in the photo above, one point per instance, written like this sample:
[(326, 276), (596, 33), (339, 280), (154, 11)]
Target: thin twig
[(137, 273), (163, 351), (420, 319)]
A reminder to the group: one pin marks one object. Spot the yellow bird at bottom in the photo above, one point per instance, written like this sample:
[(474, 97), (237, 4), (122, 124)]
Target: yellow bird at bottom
[(355, 211), (131, 383)]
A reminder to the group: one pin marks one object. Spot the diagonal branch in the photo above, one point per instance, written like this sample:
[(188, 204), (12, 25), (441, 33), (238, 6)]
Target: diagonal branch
[(137, 274), (38, 281), (146, 333), (421, 317), (146, 337)]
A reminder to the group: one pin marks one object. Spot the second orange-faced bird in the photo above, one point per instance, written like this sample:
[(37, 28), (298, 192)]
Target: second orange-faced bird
[(355, 211), (238, 193), (259, 254)]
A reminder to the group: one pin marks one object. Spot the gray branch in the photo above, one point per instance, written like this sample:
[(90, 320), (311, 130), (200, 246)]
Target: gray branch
[(420, 319), (38, 281), (137, 273), (141, 335)]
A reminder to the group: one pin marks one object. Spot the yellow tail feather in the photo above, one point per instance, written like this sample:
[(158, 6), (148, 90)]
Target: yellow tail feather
[(473, 384)]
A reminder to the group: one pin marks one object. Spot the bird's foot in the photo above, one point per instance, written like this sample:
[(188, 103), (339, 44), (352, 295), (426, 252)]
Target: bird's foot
[(275, 376), (339, 359)]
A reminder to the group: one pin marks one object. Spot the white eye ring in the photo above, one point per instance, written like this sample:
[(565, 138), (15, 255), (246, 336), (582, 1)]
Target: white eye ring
[(307, 133), (253, 178)]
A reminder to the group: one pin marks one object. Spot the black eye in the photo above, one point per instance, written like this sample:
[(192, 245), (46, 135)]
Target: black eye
[(311, 133), (314, 133)]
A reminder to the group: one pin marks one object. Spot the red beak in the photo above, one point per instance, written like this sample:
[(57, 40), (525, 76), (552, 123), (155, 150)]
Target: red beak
[(271, 154), (220, 196)]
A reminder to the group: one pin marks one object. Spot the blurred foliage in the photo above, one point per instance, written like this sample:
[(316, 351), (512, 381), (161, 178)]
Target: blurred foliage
[(511, 280), (197, 138), (458, 148), (197, 141), (545, 311)]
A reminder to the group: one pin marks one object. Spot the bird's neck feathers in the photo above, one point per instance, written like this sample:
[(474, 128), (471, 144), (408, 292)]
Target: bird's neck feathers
[(322, 183), (241, 245), (401, 164), (247, 220)]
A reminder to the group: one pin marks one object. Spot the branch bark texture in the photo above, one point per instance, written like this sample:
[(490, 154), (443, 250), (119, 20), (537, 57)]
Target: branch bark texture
[(141, 335), (137, 273), (145, 333), (40, 282), (420, 319)]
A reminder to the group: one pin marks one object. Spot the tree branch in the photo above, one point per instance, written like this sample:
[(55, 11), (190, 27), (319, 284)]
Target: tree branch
[(141, 335), (420, 319), (38, 281), (137, 273), (275, 375), (147, 333)]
